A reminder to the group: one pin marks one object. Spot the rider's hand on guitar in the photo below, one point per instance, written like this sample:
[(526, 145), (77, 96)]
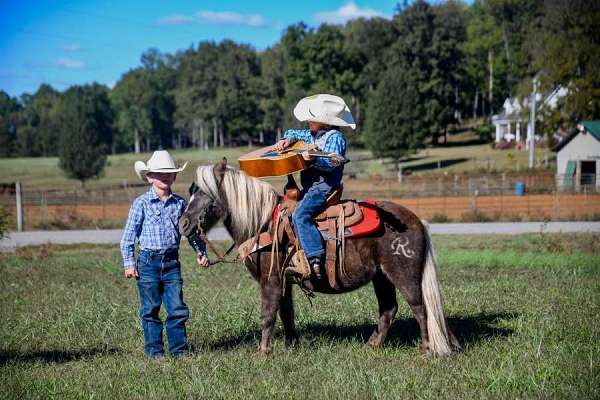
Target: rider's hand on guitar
[(305, 155), (282, 144)]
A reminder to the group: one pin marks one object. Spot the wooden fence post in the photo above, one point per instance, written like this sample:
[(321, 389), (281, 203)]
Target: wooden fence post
[(44, 206), (19, 198)]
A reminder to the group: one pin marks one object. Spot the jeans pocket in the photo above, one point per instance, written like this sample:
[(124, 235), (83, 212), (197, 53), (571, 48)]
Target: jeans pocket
[(144, 267)]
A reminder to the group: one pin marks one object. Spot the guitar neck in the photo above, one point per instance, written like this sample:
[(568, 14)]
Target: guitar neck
[(312, 153)]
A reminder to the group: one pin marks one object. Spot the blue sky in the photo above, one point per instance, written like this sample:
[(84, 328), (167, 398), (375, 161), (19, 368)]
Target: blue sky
[(74, 42)]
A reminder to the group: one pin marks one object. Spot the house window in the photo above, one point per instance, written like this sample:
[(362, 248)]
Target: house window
[(588, 172)]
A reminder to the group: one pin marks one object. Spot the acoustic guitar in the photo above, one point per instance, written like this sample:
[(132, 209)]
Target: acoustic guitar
[(269, 161)]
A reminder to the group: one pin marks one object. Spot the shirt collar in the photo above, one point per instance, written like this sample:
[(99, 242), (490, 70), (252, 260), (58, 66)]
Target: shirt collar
[(154, 197), (320, 132)]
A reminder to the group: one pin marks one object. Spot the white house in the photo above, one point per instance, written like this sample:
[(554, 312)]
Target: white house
[(578, 157), (514, 118)]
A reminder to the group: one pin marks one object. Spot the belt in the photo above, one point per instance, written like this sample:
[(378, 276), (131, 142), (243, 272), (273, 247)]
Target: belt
[(163, 254)]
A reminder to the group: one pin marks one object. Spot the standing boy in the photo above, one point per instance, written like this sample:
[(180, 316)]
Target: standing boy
[(153, 220)]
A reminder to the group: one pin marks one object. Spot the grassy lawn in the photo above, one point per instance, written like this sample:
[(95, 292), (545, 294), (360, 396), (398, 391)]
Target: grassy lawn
[(525, 308), (44, 173)]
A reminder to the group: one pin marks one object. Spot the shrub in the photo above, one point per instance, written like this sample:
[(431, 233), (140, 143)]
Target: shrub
[(485, 132), (475, 216), (76, 221), (439, 218), (4, 221)]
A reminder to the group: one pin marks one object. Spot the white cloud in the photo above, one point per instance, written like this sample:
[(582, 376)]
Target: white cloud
[(345, 13), (217, 18), (231, 18), (68, 63), (176, 20), (72, 48)]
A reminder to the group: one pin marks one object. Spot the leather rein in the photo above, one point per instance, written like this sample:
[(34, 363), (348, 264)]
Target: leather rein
[(201, 235)]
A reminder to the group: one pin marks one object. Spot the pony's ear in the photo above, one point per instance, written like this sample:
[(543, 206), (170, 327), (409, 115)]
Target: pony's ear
[(219, 170)]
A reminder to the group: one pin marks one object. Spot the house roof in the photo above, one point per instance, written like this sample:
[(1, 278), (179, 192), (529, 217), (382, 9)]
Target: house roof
[(593, 127)]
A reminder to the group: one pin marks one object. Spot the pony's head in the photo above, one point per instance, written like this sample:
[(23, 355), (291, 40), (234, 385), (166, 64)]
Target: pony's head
[(220, 192)]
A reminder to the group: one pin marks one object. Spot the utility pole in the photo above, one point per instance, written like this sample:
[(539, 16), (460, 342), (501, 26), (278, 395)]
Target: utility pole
[(532, 125)]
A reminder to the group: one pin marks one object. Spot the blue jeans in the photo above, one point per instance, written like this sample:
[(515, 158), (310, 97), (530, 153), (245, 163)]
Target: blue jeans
[(159, 283), (310, 238)]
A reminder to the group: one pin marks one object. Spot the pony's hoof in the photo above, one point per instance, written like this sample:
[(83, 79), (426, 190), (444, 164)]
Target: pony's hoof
[(292, 342), (374, 340), (263, 353)]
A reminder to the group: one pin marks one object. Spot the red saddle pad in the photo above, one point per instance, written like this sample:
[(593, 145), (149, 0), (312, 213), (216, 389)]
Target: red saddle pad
[(370, 222)]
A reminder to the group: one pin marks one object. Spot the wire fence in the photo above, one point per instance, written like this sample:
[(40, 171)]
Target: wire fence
[(439, 198)]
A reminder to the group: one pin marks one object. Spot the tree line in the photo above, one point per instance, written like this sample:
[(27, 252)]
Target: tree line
[(407, 80)]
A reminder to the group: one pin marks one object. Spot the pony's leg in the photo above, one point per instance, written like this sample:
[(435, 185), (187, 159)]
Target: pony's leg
[(388, 306), (271, 297), (410, 287), (286, 312)]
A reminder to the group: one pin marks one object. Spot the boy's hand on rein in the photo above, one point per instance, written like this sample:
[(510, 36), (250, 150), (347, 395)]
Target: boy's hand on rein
[(202, 260), (131, 272)]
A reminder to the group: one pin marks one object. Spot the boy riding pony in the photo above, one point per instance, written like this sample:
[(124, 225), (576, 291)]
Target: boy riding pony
[(325, 115)]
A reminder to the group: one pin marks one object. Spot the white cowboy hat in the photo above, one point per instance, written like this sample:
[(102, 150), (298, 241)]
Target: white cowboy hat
[(161, 161), (324, 108)]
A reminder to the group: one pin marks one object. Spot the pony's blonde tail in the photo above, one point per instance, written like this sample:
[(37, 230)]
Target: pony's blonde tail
[(437, 328)]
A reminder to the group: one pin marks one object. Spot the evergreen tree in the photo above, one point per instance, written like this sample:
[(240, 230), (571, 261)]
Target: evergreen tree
[(396, 126), (84, 118)]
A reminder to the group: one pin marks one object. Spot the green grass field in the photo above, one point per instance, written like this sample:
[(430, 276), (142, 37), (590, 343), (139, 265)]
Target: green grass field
[(525, 307), (44, 173)]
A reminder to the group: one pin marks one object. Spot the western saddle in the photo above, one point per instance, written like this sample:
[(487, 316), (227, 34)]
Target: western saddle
[(332, 223)]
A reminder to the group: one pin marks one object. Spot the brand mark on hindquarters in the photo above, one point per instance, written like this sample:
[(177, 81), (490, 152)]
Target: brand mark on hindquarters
[(400, 247)]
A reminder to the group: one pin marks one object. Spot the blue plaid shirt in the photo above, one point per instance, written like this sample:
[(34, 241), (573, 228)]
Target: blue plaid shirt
[(323, 174), (154, 223)]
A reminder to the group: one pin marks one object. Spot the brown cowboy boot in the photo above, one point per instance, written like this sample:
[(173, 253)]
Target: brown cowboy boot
[(299, 266), (315, 267)]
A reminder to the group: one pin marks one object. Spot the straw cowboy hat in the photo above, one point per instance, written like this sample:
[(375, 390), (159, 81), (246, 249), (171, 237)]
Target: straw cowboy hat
[(161, 161), (326, 109)]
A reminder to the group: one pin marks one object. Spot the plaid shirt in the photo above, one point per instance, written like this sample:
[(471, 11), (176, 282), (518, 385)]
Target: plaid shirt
[(334, 144), (154, 223)]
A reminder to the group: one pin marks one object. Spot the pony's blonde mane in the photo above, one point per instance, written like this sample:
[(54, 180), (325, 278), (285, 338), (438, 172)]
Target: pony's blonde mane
[(250, 201)]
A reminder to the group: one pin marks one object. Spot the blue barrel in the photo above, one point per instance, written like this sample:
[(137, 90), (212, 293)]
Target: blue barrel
[(519, 188)]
